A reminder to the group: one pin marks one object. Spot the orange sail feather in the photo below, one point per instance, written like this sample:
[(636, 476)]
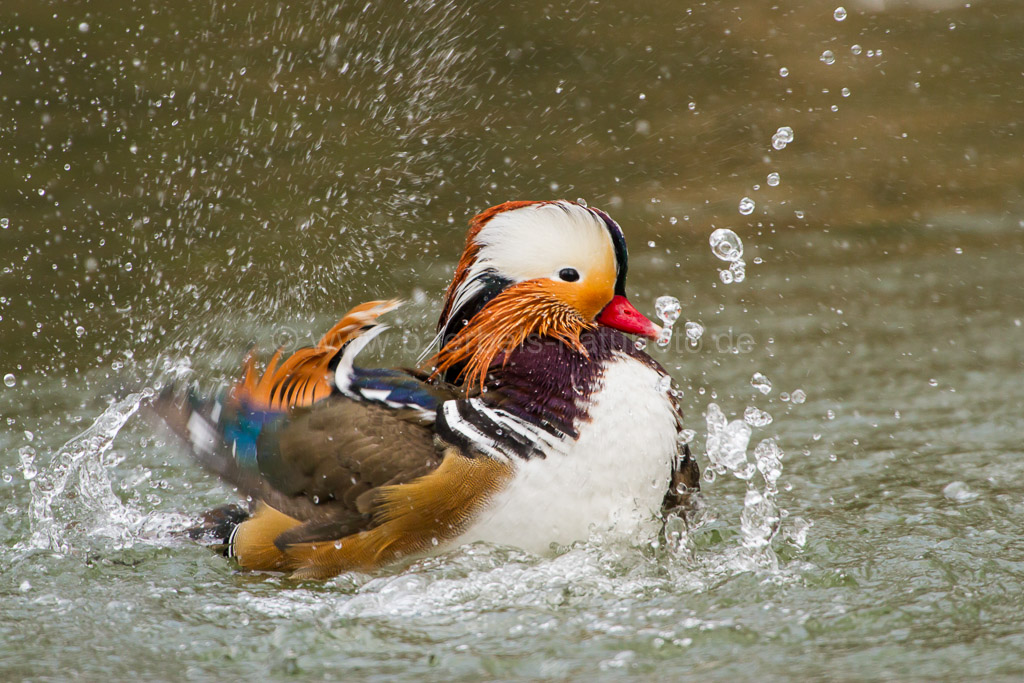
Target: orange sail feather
[(304, 377)]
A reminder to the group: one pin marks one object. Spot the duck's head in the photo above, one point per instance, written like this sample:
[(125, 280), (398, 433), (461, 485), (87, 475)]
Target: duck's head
[(554, 268)]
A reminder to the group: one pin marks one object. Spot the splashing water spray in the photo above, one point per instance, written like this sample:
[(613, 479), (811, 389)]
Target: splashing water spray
[(668, 309), (726, 245)]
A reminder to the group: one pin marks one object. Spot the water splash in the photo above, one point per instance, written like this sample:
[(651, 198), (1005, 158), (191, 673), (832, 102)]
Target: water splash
[(761, 518), (85, 456), (782, 137), (668, 310), (726, 245), (727, 443), (761, 382), (755, 417)]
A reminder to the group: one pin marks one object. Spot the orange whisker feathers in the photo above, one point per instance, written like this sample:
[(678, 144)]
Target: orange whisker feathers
[(504, 324)]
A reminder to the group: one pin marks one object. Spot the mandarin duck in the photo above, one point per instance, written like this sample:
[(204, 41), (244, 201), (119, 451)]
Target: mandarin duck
[(536, 421)]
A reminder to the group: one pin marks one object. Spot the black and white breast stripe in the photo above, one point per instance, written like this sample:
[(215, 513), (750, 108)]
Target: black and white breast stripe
[(476, 428)]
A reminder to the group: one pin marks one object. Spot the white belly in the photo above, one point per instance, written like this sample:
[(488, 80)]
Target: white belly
[(613, 477)]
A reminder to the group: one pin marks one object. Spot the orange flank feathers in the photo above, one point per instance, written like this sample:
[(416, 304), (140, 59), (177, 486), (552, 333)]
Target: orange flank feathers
[(303, 378), (411, 518), (252, 544), (414, 518)]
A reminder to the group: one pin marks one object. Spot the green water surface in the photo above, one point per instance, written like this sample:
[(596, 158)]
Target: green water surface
[(179, 181)]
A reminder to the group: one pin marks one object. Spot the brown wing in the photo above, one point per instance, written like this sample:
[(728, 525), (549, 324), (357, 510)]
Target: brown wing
[(323, 464), (333, 455), (349, 486)]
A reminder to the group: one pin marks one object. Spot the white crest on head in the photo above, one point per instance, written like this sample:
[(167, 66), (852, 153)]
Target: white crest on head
[(539, 240), (536, 241)]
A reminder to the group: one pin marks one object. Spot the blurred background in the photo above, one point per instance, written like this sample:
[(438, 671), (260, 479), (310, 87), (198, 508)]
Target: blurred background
[(157, 161), (179, 181)]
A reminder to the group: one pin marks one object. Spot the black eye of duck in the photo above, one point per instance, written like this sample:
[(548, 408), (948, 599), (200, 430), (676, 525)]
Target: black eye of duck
[(569, 274)]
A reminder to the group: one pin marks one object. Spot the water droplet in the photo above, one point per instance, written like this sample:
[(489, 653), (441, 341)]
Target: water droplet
[(856, 49), (726, 245), (839, 14), (958, 492), (747, 206), (782, 137), (83, 27), (691, 106), (933, 382), (784, 396), (727, 441), (761, 382), (686, 436), (828, 57), (756, 417), (768, 457), (640, 344), (79, 331), (845, 92), (799, 214), (830, 414), (725, 276), (9, 379), (668, 309), (773, 179), (5, 223), (28, 466), (799, 396), (581, 201), (133, 148), (128, 266), (783, 72), (738, 270), (651, 244), (694, 331)]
